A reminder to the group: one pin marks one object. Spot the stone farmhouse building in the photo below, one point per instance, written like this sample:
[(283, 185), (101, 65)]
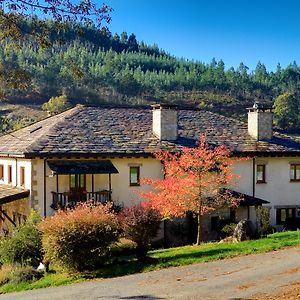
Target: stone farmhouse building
[(101, 153)]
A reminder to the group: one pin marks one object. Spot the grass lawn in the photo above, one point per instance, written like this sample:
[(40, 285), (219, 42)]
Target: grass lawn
[(164, 258)]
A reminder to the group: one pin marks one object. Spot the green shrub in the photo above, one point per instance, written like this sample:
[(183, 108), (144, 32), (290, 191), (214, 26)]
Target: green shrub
[(23, 274), (80, 238), (17, 273), (25, 245), (263, 218), (123, 247), (141, 225), (228, 229)]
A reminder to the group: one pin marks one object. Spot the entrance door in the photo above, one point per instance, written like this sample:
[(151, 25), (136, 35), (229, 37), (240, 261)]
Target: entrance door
[(77, 187)]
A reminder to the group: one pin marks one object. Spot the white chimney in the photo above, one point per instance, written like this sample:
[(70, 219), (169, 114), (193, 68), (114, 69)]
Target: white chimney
[(260, 122), (165, 121)]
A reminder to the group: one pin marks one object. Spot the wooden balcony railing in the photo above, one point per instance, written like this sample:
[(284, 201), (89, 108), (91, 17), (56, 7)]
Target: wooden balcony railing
[(70, 199)]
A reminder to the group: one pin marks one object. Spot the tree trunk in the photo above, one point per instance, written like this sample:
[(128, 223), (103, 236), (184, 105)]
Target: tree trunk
[(199, 233)]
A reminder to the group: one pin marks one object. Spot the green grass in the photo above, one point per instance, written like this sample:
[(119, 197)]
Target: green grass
[(55, 279), (165, 258)]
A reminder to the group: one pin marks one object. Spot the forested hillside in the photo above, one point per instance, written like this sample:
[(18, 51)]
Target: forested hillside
[(97, 67)]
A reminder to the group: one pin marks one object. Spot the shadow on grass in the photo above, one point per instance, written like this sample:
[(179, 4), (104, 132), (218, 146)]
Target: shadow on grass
[(130, 265), (126, 265), (196, 255)]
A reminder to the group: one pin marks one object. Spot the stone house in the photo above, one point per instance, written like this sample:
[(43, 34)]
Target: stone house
[(101, 153)]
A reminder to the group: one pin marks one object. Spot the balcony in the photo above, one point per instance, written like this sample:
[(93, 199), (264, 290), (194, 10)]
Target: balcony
[(83, 175), (71, 199)]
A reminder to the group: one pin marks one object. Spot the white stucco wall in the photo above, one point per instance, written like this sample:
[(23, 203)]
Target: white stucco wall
[(122, 192), (17, 210), (16, 163), (278, 189)]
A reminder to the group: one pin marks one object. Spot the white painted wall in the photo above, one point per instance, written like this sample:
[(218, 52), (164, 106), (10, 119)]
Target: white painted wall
[(122, 192), (278, 189), (16, 164)]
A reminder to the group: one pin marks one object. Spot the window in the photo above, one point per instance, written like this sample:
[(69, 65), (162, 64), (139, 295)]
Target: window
[(261, 173), (9, 173), (295, 172), (22, 176), (134, 176), (282, 214), (77, 181), (1, 172)]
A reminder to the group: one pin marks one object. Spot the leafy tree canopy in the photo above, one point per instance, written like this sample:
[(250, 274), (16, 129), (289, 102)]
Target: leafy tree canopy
[(56, 105), (14, 13), (193, 181), (286, 111)]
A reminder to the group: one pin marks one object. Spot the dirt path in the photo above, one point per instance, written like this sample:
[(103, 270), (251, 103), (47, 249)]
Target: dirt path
[(237, 278)]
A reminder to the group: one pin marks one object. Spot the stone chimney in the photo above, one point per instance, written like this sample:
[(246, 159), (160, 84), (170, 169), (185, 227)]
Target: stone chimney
[(260, 122), (165, 121)]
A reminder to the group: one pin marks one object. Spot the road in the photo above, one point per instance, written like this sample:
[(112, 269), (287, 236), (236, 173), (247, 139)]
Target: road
[(235, 278)]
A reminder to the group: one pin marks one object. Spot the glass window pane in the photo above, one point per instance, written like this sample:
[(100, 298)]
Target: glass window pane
[(81, 181), (292, 172), (282, 215), (260, 172), (72, 181), (134, 175), (297, 171)]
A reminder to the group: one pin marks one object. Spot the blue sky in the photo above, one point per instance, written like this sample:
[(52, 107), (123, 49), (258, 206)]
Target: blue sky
[(245, 30)]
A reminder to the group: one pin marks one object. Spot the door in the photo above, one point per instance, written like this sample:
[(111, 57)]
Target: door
[(77, 187)]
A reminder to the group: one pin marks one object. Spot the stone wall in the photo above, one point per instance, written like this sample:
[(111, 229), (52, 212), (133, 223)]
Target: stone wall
[(18, 211)]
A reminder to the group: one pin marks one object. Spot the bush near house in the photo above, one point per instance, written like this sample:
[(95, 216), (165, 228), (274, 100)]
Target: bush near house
[(16, 274), (228, 230), (263, 216), (24, 247), (141, 225), (123, 247), (80, 239)]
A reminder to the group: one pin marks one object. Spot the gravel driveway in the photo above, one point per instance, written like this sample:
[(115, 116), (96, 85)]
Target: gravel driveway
[(235, 278)]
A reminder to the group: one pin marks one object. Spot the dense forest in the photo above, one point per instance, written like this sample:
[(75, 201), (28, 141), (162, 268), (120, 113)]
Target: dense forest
[(98, 67)]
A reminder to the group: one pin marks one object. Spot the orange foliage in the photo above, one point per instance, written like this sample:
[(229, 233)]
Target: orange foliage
[(193, 180)]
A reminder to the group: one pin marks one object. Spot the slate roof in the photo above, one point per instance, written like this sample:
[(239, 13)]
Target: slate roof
[(87, 130)]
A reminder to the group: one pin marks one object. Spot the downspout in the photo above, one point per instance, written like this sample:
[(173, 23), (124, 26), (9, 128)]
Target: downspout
[(45, 192), (253, 177), (253, 184), (16, 172)]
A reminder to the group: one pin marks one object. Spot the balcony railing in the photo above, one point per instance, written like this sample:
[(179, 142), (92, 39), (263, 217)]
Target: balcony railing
[(70, 199)]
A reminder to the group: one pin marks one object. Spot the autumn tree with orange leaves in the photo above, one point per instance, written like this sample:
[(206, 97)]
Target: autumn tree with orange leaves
[(194, 181)]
